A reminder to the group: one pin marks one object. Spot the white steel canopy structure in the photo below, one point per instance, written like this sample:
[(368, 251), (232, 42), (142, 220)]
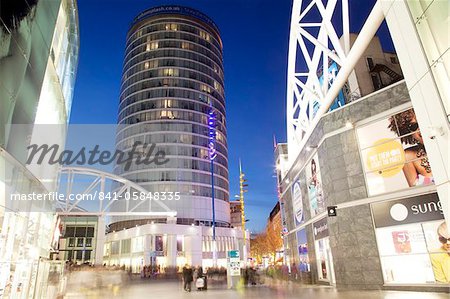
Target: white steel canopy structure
[(97, 182), (89, 183), (419, 30), (307, 98)]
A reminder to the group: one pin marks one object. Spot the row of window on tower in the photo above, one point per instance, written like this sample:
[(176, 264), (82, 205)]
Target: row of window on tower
[(175, 72), (185, 188), (189, 97), (176, 27), (171, 114), (176, 138), (178, 37), (173, 82), (182, 176), (175, 54), (180, 162), (171, 103), (212, 71)]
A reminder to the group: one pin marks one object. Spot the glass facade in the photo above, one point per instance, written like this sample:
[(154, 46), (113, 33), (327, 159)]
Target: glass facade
[(38, 61), (172, 79)]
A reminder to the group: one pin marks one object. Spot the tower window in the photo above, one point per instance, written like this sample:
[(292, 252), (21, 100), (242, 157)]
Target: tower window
[(186, 45), (204, 35), (173, 27), (152, 46), (170, 72)]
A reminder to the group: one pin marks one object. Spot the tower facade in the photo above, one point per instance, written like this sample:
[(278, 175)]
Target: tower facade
[(172, 100), (172, 80)]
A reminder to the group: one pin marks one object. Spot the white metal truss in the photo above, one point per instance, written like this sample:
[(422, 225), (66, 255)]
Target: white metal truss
[(96, 180), (319, 45)]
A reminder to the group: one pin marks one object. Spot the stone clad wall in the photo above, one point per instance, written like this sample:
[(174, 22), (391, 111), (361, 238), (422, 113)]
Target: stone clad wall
[(352, 236)]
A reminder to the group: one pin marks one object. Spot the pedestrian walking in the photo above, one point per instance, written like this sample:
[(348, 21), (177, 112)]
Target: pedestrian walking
[(187, 277)]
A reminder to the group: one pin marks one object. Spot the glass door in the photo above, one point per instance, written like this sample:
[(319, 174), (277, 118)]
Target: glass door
[(324, 260)]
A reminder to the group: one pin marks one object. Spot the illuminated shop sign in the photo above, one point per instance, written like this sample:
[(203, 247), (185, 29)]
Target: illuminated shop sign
[(405, 211), (320, 229)]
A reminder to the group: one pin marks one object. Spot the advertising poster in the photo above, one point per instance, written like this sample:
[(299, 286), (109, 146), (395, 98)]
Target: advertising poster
[(314, 182), (393, 153), (302, 245), (332, 73), (297, 202)]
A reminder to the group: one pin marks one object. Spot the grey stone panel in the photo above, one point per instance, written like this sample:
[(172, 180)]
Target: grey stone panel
[(352, 238)]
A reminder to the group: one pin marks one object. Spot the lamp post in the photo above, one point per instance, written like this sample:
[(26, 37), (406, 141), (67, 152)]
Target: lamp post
[(241, 198), (212, 156)]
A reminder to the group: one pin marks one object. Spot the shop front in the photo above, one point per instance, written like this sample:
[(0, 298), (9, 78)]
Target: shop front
[(412, 239), (324, 257)]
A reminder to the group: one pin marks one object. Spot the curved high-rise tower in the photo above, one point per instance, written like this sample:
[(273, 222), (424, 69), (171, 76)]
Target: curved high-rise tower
[(172, 78), (172, 83)]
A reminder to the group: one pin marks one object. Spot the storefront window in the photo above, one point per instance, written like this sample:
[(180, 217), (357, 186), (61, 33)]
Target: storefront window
[(393, 154), (321, 254), (180, 241), (324, 258), (115, 246), (412, 240), (159, 243), (125, 246), (138, 244)]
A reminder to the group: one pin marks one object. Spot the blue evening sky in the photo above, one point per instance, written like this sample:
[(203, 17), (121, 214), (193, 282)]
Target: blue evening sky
[(255, 38)]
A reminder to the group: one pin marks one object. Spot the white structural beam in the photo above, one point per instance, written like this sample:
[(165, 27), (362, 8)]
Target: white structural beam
[(97, 206), (307, 98), (368, 31)]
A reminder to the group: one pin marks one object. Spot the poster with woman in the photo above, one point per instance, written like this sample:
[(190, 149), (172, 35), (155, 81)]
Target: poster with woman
[(314, 182), (393, 153)]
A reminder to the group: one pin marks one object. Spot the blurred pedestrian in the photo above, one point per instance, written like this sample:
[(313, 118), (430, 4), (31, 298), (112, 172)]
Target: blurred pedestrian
[(187, 277)]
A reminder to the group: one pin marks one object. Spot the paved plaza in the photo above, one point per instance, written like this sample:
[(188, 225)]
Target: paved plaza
[(173, 290)]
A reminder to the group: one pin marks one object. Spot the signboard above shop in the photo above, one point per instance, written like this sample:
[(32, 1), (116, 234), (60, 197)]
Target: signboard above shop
[(320, 229), (405, 211)]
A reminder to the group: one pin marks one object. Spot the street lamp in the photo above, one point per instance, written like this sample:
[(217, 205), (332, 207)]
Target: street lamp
[(242, 185)]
